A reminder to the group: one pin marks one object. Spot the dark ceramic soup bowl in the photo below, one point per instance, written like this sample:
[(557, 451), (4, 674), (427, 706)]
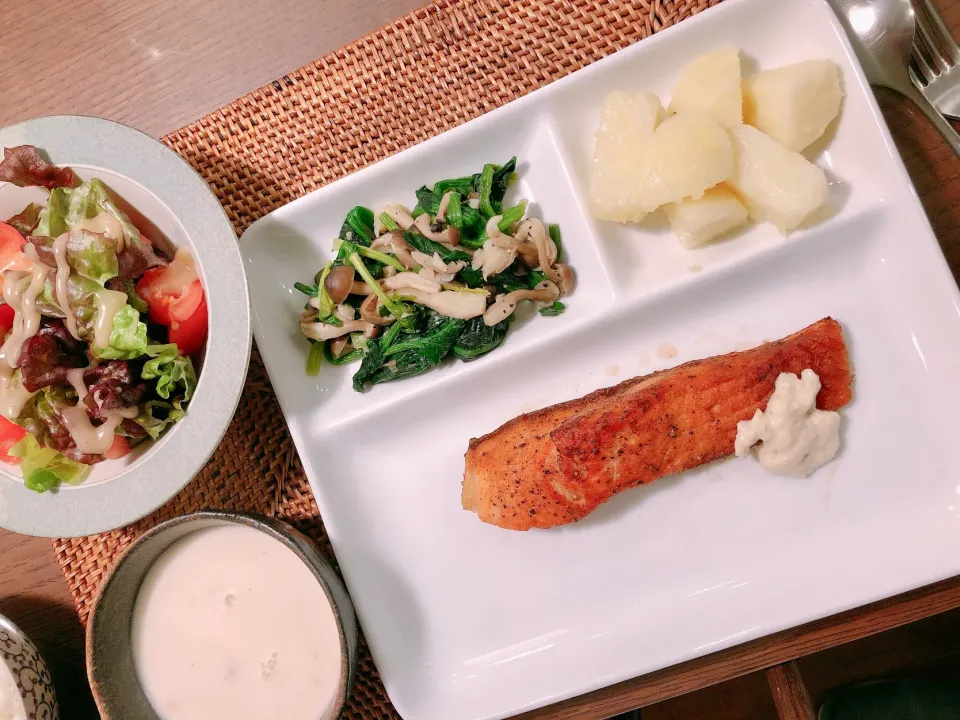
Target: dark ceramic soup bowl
[(110, 663)]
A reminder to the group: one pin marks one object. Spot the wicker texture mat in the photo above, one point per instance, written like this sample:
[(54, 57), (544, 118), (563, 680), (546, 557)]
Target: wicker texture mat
[(429, 71)]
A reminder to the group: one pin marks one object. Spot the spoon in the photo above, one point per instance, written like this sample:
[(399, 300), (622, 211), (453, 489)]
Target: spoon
[(881, 32)]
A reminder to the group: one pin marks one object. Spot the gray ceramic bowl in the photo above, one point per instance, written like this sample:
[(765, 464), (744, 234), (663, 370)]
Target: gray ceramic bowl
[(29, 672), (110, 666)]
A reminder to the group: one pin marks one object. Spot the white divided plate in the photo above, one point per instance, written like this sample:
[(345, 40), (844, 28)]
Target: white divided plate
[(466, 620)]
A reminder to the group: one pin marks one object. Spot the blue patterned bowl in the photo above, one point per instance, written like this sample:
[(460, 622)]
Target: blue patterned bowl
[(29, 672)]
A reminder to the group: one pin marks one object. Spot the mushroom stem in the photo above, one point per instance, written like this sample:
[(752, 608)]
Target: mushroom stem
[(441, 215), (448, 236), (504, 306), (393, 242), (339, 346), (497, 238), (402, 281), (369, 311), (559, 273), (399, 215), (323, 331)]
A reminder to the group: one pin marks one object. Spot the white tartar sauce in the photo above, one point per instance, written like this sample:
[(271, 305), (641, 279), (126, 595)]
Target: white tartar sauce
[(231, 623), (797, 438)]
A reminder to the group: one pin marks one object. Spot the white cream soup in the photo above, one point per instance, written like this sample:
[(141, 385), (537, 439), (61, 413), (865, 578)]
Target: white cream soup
[(230, 623)]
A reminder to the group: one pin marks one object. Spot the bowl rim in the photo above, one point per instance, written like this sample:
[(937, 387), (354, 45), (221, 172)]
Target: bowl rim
[(99, 143), (11, 628), (302, 546)]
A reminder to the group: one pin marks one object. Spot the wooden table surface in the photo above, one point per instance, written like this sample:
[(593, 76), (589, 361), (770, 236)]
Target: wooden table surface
[(158, 65)]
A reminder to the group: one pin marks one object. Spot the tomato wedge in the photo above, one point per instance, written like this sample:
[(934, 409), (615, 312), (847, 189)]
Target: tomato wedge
[(6, 320), (12, 256), (175, 298), (10, 435), (118, 449), (189, 333), (183, 307), (158, 301)]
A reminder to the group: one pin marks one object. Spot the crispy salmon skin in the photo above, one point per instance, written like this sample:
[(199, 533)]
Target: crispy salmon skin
[(556, 465)]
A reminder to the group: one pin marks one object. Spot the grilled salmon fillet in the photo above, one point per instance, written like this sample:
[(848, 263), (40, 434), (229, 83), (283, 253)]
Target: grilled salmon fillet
[(556, 465)]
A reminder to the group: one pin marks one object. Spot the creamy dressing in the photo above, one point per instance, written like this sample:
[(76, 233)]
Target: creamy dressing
[(26, 321), (75, 378), (179, 274), (11, 288), (89, 439), (63, 275), (11, 704), (108, 303), (103, 224), (13, 395), (797, 438), (230, 623)]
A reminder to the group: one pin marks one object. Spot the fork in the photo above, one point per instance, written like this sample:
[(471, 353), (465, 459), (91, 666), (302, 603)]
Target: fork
[(935, 59)]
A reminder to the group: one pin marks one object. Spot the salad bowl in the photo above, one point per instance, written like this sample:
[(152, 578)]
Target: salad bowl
[(162, 196)]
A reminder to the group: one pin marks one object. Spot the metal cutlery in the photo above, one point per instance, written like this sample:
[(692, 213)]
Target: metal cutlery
[(882, 34), (935, 60)]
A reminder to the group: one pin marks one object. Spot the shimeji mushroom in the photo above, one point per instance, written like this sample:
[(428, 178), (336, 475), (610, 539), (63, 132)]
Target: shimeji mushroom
[(449, 303), (491, 259), (339, 283), (434, 268), (323, 331), (410, 280), (400, 216), (369, 311), (504, 306), (393, 242), (345, 313), (495, 257), (441, 215), (340, 345), (559, 273), (499, 239), (449, 235)]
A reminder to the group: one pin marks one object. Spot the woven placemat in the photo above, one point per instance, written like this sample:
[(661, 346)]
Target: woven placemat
[(429, 71)]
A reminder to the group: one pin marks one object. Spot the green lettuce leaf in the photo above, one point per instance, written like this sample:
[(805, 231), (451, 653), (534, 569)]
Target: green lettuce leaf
[(133, 297), (26, 220), (43, 468), (40, 415), (128, 339), (93, 256), (53, 218), (89, 254), (83, 300), (155, 415), (170, 369), (68, 206)]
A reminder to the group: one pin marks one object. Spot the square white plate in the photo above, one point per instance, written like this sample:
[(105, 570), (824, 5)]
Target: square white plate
[(466, 620)]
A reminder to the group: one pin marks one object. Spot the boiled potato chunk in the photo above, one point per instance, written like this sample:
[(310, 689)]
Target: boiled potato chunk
[(711, 84), (698, 222), (777, 185), (688, 154), (628, 122), (795, 103)]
